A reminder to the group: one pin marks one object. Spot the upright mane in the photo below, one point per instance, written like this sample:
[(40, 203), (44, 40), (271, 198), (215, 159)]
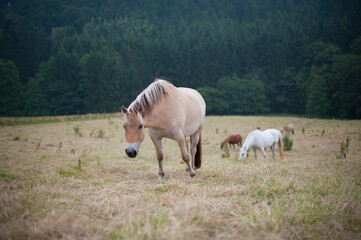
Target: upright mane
[(149, 97)]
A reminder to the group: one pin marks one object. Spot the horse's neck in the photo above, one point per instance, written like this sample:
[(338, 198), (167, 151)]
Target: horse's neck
[(152, 120), (247, 144), (148, 121), (250, 141)]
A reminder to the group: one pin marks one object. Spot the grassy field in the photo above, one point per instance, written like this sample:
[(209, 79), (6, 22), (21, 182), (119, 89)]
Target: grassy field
[(46, 192)]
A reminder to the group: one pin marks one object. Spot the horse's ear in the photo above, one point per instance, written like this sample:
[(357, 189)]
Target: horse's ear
[(124, 109)]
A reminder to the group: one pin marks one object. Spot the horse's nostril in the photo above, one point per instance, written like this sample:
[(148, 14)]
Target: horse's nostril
[(131, 153)]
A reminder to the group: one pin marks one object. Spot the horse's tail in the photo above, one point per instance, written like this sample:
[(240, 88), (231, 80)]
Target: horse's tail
[(198, 156), (280, 146)]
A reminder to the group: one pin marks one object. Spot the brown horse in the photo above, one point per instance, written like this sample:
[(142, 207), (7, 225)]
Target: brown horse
[(168, 112), (232, 139), (289, 128)]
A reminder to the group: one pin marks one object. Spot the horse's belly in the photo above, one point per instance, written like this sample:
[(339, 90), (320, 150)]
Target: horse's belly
[(192, 128), (194, 110), (268, 141)]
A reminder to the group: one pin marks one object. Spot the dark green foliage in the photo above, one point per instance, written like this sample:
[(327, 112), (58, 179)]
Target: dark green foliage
[(11, 91), (290, 96), (242, 95), (245, 57), (317, 103), (346, 86), (287, 143), (35, 99)]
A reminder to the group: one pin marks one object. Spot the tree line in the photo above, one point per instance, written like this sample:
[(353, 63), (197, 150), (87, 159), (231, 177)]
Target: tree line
[(244, 57)]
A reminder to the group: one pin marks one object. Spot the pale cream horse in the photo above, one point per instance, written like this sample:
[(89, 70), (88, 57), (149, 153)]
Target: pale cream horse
[(168, 112), (289, 128)]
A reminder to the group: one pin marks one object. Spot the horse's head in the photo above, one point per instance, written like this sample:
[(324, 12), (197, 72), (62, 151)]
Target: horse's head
[(134, 131), (242, 153)]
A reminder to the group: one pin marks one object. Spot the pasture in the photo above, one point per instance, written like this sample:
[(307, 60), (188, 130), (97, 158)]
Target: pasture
[(72, 180)]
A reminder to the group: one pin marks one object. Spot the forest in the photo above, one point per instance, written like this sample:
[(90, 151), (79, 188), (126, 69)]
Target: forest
[(246, 57)]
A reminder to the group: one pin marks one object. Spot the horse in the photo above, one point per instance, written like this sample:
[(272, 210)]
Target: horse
[(167, 112), (289, 128), (262, 140), (232, 139)]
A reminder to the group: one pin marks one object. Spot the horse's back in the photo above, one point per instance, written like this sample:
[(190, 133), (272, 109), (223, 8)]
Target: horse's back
[(275, 133), (193, 97), (194, 110), (236, 138)]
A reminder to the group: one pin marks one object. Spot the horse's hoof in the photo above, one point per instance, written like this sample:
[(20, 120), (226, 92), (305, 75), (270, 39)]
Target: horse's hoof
[(160, 176), (193, 174)]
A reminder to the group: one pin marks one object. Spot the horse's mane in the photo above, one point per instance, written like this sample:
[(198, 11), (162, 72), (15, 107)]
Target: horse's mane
[(149, 97), (249, 137)]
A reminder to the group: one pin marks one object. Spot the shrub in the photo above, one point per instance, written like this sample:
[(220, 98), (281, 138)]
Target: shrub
[(226, 153), (101, 133), (76, 130), (287, 143)]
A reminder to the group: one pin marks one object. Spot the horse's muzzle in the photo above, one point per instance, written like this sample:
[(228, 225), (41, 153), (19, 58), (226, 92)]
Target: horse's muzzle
[(132, 150)]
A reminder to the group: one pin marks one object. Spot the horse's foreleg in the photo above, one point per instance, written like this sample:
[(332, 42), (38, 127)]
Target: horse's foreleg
[(157, 141), (194, 141), (185, 156), (264, 152), (255, 153)]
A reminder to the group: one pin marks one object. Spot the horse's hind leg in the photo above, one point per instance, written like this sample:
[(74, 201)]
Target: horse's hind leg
[(185, 156), (157, 141), (194, 141), (273, 150)]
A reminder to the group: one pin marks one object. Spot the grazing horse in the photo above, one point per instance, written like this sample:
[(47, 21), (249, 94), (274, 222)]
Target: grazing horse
[(262, 140), (232, 139), (167, 112), (289, 128)]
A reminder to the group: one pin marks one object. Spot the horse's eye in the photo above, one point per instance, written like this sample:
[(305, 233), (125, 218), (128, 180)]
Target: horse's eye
[(140, 126)]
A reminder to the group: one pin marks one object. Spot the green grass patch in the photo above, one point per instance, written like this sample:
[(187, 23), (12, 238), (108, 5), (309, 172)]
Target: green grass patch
[(160, 190), (16, 138), (71, 172), (11, 121), (7, 177)]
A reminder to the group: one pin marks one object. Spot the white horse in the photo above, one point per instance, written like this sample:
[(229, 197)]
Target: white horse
[(262, 140)]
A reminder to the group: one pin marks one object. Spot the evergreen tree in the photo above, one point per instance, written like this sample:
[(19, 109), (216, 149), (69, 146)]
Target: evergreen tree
[(35, 103), (290, 89), (242, 95), (346, 86), (11, 91), (317, 101)]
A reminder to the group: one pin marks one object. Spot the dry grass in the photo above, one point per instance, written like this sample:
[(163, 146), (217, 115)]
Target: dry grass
[(310, 194)]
